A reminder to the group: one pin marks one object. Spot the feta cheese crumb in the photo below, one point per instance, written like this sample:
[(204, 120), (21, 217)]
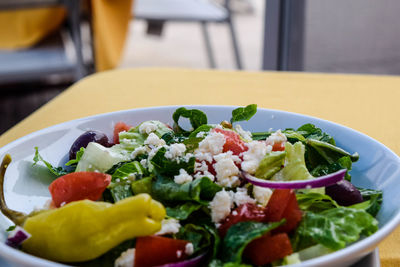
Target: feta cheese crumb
[(189, 249), (169, 226), (139, 151), (241, 197), (154, 140), (276, 137), (252, 157), (226, 170), (147, 127), (204, 174), (175, 150), (262, 194), (213, 143), (183, 177), (179, 253), (127, 259), (220, 206), (246, 135), (201, 134)]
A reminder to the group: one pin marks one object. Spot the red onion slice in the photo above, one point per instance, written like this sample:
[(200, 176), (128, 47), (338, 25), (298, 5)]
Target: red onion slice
[(321, 181), (17, 236), (194, 262)]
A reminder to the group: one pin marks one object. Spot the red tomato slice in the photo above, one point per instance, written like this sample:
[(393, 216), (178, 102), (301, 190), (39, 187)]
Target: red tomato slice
[(283, 204), (158, 250), (77, 186), (243, 213), (233, 142), (268, 248), (120, 127)]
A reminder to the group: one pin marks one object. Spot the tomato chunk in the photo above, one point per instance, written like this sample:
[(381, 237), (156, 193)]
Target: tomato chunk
[(268, 248), (158, 250), (243, 213), (233, 142), (278, 146), (78, 186), (120, 127), (283, 204)]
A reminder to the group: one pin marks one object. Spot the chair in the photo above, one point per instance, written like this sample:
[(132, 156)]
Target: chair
[(28, 64), (156, 12)]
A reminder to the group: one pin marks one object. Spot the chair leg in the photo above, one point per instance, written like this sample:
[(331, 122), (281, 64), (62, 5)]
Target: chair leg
[(235, 45), (210, 54), (73, 8)]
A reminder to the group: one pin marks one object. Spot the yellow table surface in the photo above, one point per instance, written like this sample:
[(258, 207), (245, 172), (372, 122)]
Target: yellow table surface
[(369, 104)]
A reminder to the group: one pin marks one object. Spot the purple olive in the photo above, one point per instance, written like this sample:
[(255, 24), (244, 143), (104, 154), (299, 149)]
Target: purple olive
[(344, 193), (84, 139)]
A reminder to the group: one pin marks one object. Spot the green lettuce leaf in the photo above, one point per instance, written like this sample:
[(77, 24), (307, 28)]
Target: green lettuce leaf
[(315, 202), (164, 166), (183, 211), (244, 113), (57, 171), (142, 186), (240, 235), (203, 237), (372, 201), (333, 228), (122, 177), (200, 190)]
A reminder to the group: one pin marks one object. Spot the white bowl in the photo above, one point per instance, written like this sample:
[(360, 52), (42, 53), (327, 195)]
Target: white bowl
[(378, 168)]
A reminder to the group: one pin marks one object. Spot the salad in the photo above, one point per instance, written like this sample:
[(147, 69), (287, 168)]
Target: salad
[(212, 195)]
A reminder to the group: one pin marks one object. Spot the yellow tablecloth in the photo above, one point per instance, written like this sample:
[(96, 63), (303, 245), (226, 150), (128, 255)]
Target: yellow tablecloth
[(110, 25), (368, 104)]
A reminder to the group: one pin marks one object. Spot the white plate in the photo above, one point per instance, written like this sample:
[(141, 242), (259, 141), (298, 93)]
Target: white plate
[(378, 168)]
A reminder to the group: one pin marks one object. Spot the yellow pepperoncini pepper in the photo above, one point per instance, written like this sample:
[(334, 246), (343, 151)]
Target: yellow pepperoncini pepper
[(84, 230)]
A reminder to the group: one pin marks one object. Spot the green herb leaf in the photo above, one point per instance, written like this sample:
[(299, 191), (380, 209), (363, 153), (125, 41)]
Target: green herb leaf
[(57, 171), (240, 235), (78, 157), (195, 116), (11, 228), (244, 114)]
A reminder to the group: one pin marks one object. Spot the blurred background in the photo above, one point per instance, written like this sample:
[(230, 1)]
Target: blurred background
[(47, 45)]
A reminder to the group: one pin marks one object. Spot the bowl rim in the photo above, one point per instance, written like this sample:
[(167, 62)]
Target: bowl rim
[(360, 247)]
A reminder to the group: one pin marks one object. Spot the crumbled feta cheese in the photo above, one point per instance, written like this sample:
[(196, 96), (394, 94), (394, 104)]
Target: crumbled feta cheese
[(241, 197), (179, 253), (127, 259), (147, 127), (262, 194), (201, 134), (200, 166), (183, 177), (276, 137), (139, 151), (213, 143), (154, 140), (143, 162), (252, 157), (220, 206), (246, 135), (204, 174), (169, 226), (175, 150), (226, 170), (189, 249), (201, 156)]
